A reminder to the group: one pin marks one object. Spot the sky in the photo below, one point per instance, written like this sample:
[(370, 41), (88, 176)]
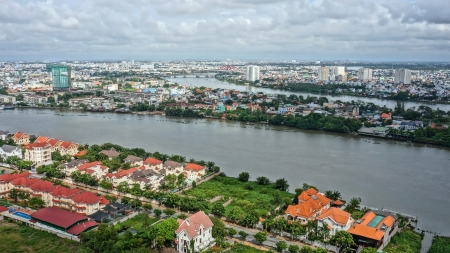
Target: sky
[(154, 30)]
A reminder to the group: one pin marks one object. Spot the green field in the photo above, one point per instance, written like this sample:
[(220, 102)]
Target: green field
[(240, 248), (246, 195), (137, 221), (404, 241), (18, 239), (440, 245)]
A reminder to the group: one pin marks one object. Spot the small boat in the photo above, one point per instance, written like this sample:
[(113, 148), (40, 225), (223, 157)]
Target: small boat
[(250, 123), (9, 107), (2, 107)]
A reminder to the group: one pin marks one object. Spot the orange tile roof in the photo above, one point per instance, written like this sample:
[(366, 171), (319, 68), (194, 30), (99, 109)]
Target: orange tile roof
[(310, 202), (124, 172), (18, 135), (89, 165), (152, 161), (370, 232), (337, 215), (66, 144), (41, 139), (81, 153), (37, 145), (194, 167)]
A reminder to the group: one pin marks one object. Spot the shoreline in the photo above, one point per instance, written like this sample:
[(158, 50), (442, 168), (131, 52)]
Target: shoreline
[(338, 95), (148, 113)]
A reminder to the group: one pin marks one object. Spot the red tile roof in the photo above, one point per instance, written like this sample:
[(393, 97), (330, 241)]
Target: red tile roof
[(42, 186), (152, 161), (58, 217), (89, 165), (192, 224), (194, 167), (24, 181), (53, 142), (37, 145), (337, 215), (66, 144), (124, 172), (86, 197), (60, 191), (11, 177), (80, 228), (18, 135)]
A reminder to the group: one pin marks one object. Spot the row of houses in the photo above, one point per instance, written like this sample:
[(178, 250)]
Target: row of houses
[(76, 200), (374, 229)]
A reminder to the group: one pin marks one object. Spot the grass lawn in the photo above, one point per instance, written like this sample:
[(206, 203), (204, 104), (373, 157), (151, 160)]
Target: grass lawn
[(404, 241), (440, 245), (15, 239), (247, 196), (239, 248), (137, 221)]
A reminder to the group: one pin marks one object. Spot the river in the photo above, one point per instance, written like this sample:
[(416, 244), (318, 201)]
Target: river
[(214, 83), (406, 177)]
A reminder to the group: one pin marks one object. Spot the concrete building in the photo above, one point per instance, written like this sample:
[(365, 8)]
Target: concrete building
[(61, 77), (365, 74), (252, 73), (402, 76), (38, 153), (338, 70), (324, 73)]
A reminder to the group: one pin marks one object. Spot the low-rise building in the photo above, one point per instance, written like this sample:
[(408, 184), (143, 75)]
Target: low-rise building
[(194, 234), (336, 219), (20, 138), (38, 153), (311, 204), (375, 229), (194, 171), (8, 151)]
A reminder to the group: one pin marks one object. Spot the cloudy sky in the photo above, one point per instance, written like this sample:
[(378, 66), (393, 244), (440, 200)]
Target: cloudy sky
[(225, 29)]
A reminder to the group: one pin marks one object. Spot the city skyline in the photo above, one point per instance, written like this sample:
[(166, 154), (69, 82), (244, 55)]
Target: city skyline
[(258, 30)]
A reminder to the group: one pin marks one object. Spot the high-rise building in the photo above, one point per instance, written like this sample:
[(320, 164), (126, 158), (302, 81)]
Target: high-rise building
[(338, 70), (61, 77), (252, 73), (402, 76), (324, 73), (365, 74)]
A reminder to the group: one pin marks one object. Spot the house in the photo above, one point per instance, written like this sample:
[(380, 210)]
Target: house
[(62, 197), (172, 167), (196, 229), (194, 171), (375, 229), (43, 189), (6, 179), (121, 176), (88, 203), (3, 135), (96, 169), (386, 116), (38, 153), (7, 151), (68, 148), (72, 166), (110, 153), (153, 164), (311, 204), (336, 219), (20, 138), (134, 160)]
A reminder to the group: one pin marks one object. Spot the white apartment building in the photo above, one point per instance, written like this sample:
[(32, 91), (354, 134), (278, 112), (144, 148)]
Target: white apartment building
[(38, 153), (324, 73), (402, 76), (365, 74), (252, 73)]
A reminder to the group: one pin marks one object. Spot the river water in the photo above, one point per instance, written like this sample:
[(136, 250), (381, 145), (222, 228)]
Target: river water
[(406, 177), (214, 83)]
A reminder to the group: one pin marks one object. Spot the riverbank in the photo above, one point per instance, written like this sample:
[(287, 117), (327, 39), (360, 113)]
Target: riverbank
[(319, 93)]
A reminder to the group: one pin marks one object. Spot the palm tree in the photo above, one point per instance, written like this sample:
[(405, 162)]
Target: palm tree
[(192, 160), (210, 164)]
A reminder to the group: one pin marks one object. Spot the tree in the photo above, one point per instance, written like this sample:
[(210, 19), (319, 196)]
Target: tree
[(353, 204), (232, 232), (343, 240), (333, 195), (281, 184), (14, 194), (218, 209), (36, 202), (158, 213), (102, 240), (281, 245), (106, 184), (243, 235), (162, 232), (262, 180), (210, 165), (218, 230), (306, 249), (293, 248), (147, 207), (235, 213), (123, 187), (251, 218), (23, 195), (244, 177), (261, 237), (169, 212), (369, 250)]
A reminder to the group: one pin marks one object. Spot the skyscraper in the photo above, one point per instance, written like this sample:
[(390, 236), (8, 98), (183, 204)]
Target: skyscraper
[(252, 73), (61, 77), (402, 76), (365, 74), (324, 73), (338, 70)]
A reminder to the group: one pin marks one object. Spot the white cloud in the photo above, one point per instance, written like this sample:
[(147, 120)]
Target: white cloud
[(139, 29)]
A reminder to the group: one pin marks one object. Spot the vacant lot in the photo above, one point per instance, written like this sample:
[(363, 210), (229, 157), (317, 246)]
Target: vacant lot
[(245, 195), (18, 239), (137, 221), (404, 241), (440, 245)]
